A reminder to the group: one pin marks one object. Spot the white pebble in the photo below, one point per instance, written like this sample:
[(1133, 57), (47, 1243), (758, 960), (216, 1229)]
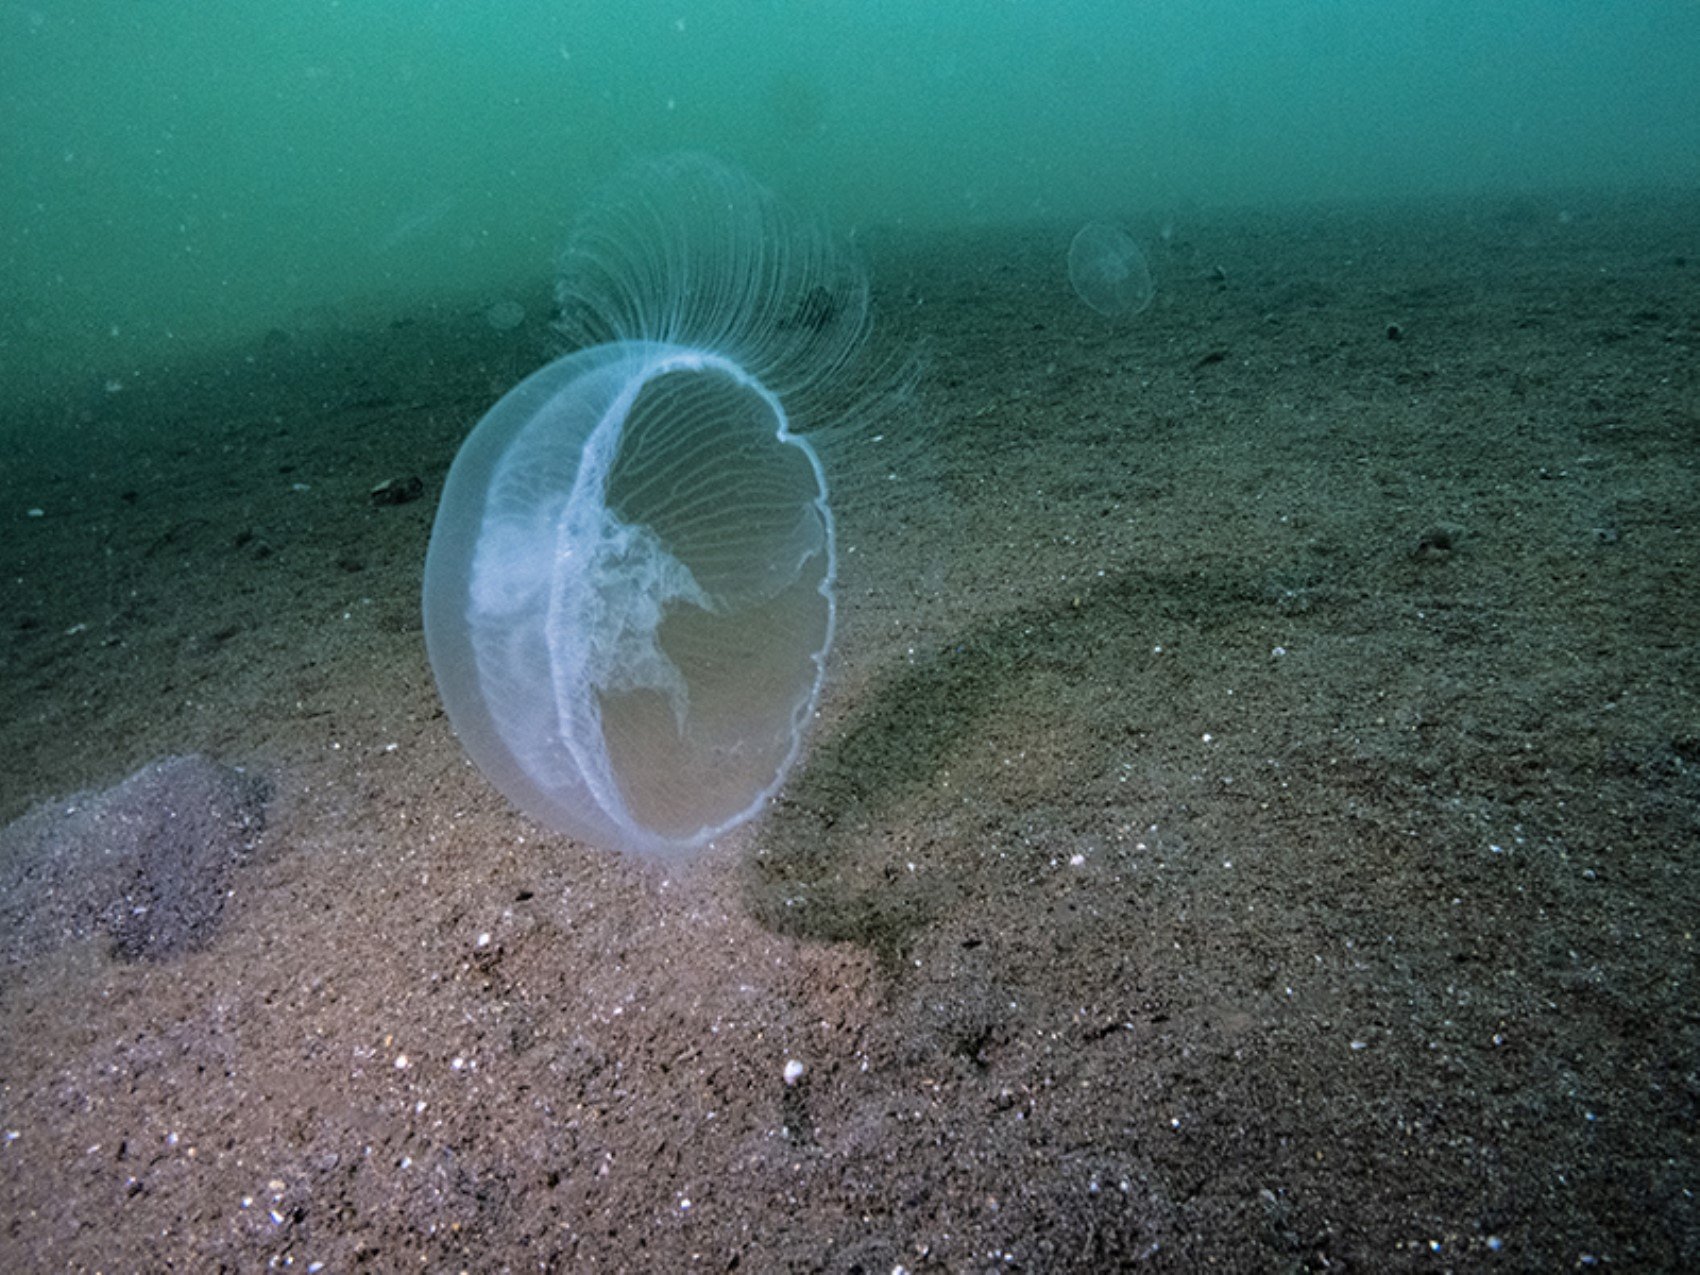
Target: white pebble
[(794, 1070)]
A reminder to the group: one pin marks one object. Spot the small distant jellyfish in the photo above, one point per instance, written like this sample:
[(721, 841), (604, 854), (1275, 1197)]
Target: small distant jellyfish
[(505, 316), (1109, 272)]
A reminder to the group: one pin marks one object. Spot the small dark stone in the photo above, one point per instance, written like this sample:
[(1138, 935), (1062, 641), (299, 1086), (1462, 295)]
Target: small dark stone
[(1437, 542), (1395, 332), (397, 491), (815, 310)]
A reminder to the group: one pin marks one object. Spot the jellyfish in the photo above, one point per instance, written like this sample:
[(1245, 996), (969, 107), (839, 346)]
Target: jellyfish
[(629, 589), (1108, 271)]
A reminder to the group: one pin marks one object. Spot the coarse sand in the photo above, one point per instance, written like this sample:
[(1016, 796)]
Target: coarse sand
[(1253, 822)]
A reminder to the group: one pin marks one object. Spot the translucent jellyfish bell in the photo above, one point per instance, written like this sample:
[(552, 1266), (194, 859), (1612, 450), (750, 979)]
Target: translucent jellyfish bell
[(629, 587), (1108, 271)]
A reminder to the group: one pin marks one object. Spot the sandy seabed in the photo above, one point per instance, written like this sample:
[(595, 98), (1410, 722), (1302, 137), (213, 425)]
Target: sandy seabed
[(1253, 822)]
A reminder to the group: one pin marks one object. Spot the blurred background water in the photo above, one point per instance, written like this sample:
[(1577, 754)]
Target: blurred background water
[(174, 175)]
